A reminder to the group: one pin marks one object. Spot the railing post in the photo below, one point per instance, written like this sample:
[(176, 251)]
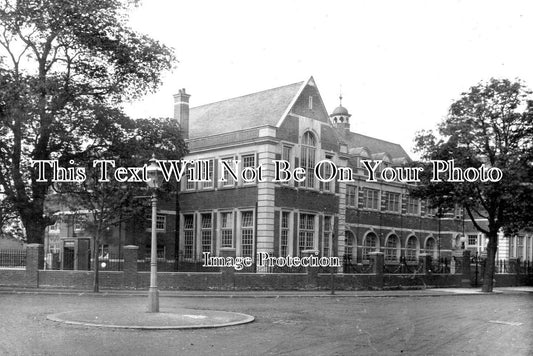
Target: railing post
[(130, 266), (312, 273), (378, 261), (465, 280), (228, 273), (34, 261)]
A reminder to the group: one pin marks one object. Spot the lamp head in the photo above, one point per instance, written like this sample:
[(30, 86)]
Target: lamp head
[(154, 174)]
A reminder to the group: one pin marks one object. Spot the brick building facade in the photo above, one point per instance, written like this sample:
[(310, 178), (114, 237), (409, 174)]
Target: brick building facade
[(244, 217)]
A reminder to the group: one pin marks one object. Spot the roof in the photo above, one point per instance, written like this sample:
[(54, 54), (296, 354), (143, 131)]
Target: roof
[(253, 110), (374, 145), (340, 110)]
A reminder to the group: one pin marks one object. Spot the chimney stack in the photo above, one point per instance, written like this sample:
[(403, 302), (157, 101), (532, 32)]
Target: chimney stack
[(181, 111)]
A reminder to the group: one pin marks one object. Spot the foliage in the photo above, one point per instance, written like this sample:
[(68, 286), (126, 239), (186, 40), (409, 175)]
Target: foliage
[(65, 67), (491, 124)]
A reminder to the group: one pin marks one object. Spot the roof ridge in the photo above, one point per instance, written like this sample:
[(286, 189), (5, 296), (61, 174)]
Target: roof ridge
[(243, 96)]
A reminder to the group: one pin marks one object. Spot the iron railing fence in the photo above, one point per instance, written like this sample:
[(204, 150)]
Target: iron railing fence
[(12, 258)]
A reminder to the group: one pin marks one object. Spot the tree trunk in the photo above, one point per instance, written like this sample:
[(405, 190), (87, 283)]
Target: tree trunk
[(490, 263), (34, 224)]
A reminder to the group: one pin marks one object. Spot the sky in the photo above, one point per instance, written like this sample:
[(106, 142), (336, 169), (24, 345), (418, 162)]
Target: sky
[(398, 64)]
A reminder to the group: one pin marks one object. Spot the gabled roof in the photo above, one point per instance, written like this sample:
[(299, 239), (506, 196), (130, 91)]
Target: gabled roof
[(375, 145), (258, 109)]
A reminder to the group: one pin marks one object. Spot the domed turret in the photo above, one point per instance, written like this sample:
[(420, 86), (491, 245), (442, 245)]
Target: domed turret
[(340, 116)]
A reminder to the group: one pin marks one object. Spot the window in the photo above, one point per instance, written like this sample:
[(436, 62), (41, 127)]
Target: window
[(188, 232), (310, 102), (160, 252), (327, 173), (284, 234), (392, 248), (103, 252), (79, 222), (206, 232), (188, 177), (413, 206), (370, 198), (56, 227), (307, 160), (160, 223), (248, 161), (208, 166), (351, 195), (472, 240), (349, 244), (326, 238), (306, 236), (226, 227), (392, 202), (286, 156), (520, 247), (431, 248), (370, 244), (227, 177), (247, 234), (430, 211), (411, 249)]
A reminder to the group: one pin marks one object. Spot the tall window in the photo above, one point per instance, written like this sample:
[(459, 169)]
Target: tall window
[(209, 167), (410, 250), (392, 202), (286, 156), (284, 234), (327, 173), (248, 161), (351, 197), (431, 248), (226, 229), (307, 159), (326, 238), (413, 206), (247, 234), (207, 232), (370, 198), (188, 232), (520, 247), (472, 240), (306, 236), (370, 244), (349, 245), (392, 248)]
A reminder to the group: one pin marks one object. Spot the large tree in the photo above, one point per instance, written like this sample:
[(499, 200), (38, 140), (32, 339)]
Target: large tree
[(65, 68), (107, 204), (491, 125)]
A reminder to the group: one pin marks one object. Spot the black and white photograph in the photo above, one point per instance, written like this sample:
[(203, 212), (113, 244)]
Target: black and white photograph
[(299, 177)]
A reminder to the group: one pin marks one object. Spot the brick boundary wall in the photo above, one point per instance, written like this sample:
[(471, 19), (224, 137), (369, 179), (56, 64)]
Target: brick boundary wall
[(229, 279)]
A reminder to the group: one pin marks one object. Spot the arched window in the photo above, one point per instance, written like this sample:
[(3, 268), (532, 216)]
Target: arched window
[(349, 246), (431, 247), (392, 248), (370, 244), (411, 249), (307, 159)]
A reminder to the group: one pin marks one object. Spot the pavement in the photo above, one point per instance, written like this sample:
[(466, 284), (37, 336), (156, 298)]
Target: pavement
[(394, 293), (198, 318)]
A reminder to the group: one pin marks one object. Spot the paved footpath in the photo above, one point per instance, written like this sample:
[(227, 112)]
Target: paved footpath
[(413, 322)]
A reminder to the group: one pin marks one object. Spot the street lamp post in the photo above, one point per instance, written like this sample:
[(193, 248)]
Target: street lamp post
[(153, 172)]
